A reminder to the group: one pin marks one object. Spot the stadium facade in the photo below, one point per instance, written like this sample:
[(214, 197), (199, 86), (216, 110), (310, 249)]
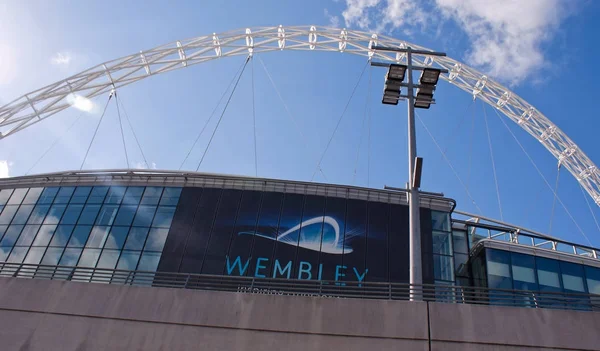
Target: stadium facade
[(143, 233)]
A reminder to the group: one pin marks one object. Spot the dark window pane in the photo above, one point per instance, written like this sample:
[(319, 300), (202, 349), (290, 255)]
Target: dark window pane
[(523, 271), (98, 194), (55, 214), (442, 243), (44, 235), (70, 257), (72, 214), (440, 221), (136, 238), (443, 268), (89, 213), (18, 254), (32, 196), (64, 195), (81, 194), (309, 240), (11, 235), (461, 267), (163, 217), (498, 268), (133, 195), (62, 235), (38, 214), (17, 196), (22, 214), (108, 259), (98, 237), (89, 257), (266, 235), (116, 238), (149, 261), (52, 256), (355, 240), (245, 226), (548, 274), (48, 195), (5, 195), (398, 245), (35, 254), (144, 216), (27, 235), (156, 239), (170, 196), (460, 241), (377, 243), (592, 275), (572, 277), (128, 260), (80, 236), (107, 215), (7, 214), (151, 195), (286, 245), (115, 195), (125, 215)]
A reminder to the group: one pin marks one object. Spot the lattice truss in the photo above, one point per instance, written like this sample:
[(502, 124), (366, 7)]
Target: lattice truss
[(101, 79)]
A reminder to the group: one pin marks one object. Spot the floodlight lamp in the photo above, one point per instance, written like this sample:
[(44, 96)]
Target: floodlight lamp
[(389, 101), (422, 104), (396, 72), (425, 89), (430, 76)]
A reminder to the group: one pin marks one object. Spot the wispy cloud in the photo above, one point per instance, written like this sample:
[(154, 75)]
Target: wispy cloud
[(61, 58), (334, 21), (81, 103), (4, 169), (142, 165), (506, 37)]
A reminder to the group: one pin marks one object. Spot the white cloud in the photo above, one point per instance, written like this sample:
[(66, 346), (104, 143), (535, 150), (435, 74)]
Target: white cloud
[(80, 102), (334, 21), (4, 169), (506, 37), (61, 58), (142, 165)]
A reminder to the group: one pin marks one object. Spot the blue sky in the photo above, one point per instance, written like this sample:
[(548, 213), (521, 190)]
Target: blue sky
[(543, 50)]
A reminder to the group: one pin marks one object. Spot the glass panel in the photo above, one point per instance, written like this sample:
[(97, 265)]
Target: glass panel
[(48, 195), (70, 257), (128, 260), (3, 230), (108, 259), (33, 195), (38, 214), (242, 237), (89, 213), (81, 194), (461, 267), (7, 214), (34, 256), (62, 235), (98, 194), (89, 257), (266, 234), (156, 239), (80, 236), (17, 196), (11, 235), (355, 239), (460, 242), (52, 256), (55, 214), (593, 279), (163, 217), (98, 237), (440, 221), (5, 195), (548, 274), (377, 240), (44, 235), (523, 271), (22, 214), (335, 208), (498, 269), (116, 238), (151, 195), (170, 196), (64, 195), (443, 268), (133, 195), (71, 214), (149, 261), (18, 254), (27, 235), (115, 195), (107, 215), (442, 242), (137, 238), (4, 251), (572, 277), (125, 215), (144, 216)]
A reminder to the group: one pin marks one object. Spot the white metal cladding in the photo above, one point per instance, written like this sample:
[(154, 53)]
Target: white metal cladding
[(101, 79), (207, 180)]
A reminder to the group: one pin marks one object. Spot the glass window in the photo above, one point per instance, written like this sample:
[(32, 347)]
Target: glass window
[(116, 238), (523, 271), (548, 274), (80, 236), (128, 260), (7, 214), (152, 195), (442, 243), (459, 240), (144, 216), (33, 195), (108, 259), (38, 214), (98, 237), (22, 214), (5, 195), (52, 256), (27, 235), (115, 195), (149, 261), (81, 194), (170, 196), (592, 275), (163, 217), (498, 269), (133, 195), (440, 221), (11, 235), (70, 257), (17, 196), (18, 254), (55, 214), (97, 195), (89, 213), (48, 195), (107, 215), (443, 267), (44, 235), (35, 254), (136, 238), (572, 277), (125, 215), (461, 266), (64, 195), (3, 230), (72, 214), (62, 235), (377, 242), (156, 239), (89, 257), (4, 251)]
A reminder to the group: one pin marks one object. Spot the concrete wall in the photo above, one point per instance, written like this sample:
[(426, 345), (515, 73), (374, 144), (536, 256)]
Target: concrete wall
[(54, 315)]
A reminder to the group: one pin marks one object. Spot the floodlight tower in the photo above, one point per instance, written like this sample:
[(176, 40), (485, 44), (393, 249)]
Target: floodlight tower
[(394, 81)]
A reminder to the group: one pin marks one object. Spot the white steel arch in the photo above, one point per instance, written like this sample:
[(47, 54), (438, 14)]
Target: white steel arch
[(45, 102)]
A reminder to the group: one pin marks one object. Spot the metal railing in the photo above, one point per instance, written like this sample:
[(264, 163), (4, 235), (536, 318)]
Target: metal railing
[(312, 288)]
